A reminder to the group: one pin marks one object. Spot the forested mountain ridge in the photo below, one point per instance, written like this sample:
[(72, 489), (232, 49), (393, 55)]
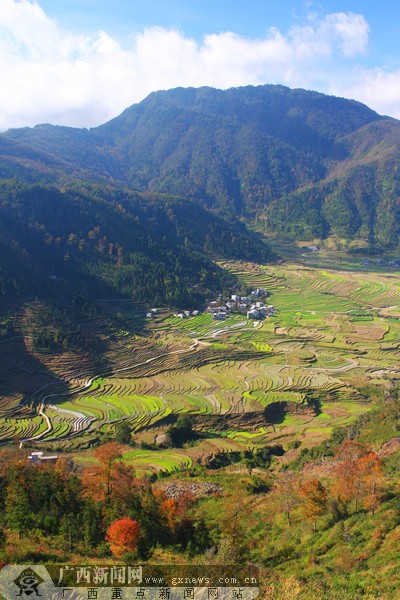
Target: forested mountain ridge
[(303, 163), (105, 241)]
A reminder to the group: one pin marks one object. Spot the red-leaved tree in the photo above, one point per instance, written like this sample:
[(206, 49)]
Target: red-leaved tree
[(122, 536)]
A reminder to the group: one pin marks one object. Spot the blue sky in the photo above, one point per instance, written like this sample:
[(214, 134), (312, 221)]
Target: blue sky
[(81, 62), (250, 18)]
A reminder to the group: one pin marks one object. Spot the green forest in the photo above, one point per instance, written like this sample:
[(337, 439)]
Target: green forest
[(298, 163)]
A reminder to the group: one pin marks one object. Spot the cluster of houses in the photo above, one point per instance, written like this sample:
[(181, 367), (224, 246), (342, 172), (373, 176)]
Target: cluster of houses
[(253, 306), (380, 261)]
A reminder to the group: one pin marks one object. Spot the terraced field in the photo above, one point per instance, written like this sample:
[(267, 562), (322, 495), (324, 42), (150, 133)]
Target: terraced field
[(334, 333)]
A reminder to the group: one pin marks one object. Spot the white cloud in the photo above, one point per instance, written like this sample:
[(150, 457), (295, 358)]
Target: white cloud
[(377, 88), (51, 75), (351, 32)]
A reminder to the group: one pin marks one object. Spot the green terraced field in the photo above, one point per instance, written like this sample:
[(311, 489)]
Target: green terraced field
[(335, 332)]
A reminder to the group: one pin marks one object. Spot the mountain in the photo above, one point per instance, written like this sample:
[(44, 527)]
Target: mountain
[(107, 242), (301, 163)]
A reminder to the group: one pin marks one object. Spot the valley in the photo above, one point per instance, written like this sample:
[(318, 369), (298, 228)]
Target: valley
[(288, 379), (217, 432)]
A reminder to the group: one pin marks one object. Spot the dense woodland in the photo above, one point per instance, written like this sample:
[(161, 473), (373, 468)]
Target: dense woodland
[(152, 250), (299, 163), (66, 247), (76, 513)]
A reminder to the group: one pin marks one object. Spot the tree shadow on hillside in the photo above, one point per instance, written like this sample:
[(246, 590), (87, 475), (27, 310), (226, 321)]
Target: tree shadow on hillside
[(24, 377), (275, 412)]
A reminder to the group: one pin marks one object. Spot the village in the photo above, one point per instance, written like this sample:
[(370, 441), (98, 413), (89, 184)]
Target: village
[(254, 306)]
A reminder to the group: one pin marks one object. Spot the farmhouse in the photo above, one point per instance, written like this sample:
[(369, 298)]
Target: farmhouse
[(259, 292), (220, 315), (37, 458), (253, 313), (214, 309)]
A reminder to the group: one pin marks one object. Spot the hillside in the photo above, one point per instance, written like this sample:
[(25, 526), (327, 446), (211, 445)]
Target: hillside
[(301, 163), (108, 242), (292, 463)]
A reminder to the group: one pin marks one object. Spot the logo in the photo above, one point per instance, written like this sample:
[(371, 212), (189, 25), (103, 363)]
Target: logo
[(28, 582)]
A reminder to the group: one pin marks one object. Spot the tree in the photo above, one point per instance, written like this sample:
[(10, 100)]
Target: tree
[(232, 546), (18, 511), (348, 484), (314, 500), (169, 510), (111, 479), (182, 431), (122, 536), (370, 468), (123, 433)]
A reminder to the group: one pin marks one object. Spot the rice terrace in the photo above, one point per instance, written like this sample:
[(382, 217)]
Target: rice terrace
[(293, 376)]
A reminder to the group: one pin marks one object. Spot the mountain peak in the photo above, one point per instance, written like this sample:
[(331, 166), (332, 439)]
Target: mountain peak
[(247, 151)]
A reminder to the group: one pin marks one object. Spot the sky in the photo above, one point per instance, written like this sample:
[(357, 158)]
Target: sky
[(82, 62)]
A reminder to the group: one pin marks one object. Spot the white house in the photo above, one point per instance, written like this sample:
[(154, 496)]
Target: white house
[(36, 458)]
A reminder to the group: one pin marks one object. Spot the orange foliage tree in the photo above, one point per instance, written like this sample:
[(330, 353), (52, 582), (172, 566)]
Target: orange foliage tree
[(315, 499), (111, 479), (358, 475), (348, 481), (370, 467), (122, 536), (173, 509), (169, 510)]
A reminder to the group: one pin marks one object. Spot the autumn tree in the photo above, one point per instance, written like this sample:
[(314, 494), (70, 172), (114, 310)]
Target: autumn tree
[(315, 500), (111, 479), (173, 509), (122, 536), (9, 458), (370, 468), (348, 477), (169, 510), (358, 476)]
